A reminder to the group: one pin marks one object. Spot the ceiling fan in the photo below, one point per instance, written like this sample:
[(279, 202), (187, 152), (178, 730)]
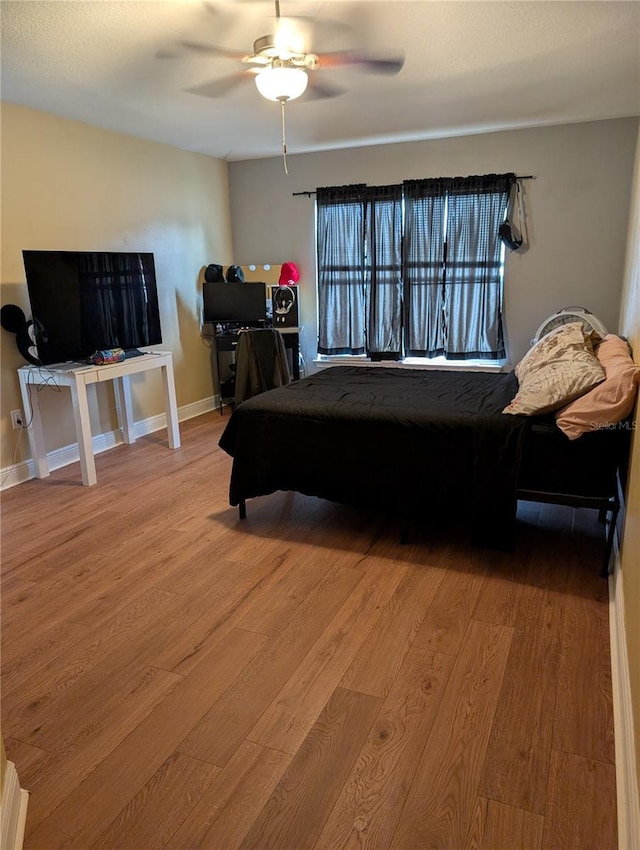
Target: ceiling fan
[(282, 64)]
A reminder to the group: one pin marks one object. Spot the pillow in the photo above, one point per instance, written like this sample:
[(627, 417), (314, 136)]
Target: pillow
[(558, 368), (612, 400)]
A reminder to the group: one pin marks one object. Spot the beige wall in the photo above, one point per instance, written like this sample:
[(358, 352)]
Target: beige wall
[(68, 186), (630, 327), (577, 211)]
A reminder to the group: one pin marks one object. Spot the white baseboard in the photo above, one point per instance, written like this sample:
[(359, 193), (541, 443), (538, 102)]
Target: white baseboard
[(14, 810), (626, 777), (19, 472)]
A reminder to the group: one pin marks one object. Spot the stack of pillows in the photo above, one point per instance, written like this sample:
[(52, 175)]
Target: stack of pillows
[(589, 382)]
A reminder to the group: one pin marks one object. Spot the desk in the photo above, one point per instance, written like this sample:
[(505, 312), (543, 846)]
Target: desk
[(77, 377)]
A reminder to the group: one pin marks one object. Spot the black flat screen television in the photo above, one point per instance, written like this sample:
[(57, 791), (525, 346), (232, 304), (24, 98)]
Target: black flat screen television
[(87, 301), (234, 303)]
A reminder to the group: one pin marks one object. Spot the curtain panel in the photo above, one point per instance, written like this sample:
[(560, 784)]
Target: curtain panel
[(383, 271), (341, 273), (473, 302), (425, 210)]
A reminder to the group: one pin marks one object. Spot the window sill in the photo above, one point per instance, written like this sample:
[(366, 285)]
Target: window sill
[(415, 363)]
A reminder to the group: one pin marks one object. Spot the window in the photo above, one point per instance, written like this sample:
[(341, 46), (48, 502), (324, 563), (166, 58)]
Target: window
[(413, 270)]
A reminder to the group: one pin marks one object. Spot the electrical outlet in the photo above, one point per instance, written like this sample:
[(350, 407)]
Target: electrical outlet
[(17, 419)]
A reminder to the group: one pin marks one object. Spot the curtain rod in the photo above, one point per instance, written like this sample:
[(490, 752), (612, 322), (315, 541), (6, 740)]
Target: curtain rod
[(313, 192)]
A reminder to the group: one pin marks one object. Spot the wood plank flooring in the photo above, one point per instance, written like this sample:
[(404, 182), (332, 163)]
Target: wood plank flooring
[(175, 678)]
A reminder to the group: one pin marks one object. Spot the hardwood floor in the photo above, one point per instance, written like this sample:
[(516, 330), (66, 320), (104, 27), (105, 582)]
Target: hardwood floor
[(176, 678)]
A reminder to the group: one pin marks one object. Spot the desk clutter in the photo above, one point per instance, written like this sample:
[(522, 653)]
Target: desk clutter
[(250, 304), (252, 298), (108, 355)]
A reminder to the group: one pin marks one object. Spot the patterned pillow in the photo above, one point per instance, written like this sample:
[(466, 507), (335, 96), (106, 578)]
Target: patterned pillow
[(612, 400), (557, 369)]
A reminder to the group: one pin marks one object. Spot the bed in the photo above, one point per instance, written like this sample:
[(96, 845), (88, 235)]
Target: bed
[(418, 444)]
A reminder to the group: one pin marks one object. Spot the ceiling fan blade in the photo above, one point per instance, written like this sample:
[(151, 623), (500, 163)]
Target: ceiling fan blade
[(321, 89), (181, 48), (372, 64), (218, 88), (212, 50)]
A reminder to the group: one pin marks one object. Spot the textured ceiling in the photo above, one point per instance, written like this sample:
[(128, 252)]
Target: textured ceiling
[(469, 67)]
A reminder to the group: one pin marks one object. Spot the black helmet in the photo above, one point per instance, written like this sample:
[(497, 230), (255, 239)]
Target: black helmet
[(213, 273), (235, 275)]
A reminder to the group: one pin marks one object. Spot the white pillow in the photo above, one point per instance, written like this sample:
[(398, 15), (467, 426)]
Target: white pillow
[(558, 368)]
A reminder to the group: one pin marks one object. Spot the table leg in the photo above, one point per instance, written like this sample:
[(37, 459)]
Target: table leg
[(124, 407), (83, 432), (171, 407), (33, 420)]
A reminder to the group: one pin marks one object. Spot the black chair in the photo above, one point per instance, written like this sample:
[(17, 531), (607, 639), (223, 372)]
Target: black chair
[(261, 362)]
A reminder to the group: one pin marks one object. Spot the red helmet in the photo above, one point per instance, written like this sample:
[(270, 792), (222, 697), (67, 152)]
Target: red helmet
[(288, 274)]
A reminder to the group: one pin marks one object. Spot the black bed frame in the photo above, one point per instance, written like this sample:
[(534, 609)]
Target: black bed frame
[(603, 504)]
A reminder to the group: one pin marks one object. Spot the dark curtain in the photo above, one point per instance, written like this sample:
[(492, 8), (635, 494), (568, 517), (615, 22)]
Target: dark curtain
[(383, 276), (341, 223), (113, 300), (425, 209), (473, 267)]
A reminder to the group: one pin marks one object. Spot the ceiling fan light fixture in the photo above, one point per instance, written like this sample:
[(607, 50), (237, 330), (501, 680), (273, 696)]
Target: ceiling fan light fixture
[(281, 82)]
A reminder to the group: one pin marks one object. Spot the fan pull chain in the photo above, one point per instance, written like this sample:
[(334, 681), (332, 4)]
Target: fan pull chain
[(284, 138)]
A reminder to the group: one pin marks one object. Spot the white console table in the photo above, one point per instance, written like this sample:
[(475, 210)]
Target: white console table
[(77, 377)]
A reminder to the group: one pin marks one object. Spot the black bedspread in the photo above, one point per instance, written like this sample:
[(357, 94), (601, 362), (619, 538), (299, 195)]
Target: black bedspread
[(417, 443)]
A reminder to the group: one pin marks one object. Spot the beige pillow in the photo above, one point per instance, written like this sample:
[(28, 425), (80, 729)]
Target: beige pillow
[(612, 400), (557, 369)]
